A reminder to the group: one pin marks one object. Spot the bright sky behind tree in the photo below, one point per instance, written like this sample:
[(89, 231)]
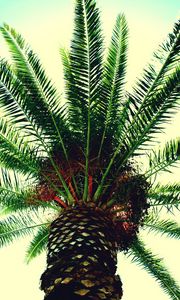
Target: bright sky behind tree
[(46, 26)]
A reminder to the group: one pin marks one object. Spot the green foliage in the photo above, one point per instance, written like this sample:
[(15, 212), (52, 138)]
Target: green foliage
[(15, 151), (15, 198), (113, 79), (164, 158), (167, 196), (154, 98), (15, 99), (150, 117), (86, 57), (155, 267), (38, 243), (76, 109), (17, 226), (44, 104), (151, 106), (167, 227), (12, 200), (85, 63)]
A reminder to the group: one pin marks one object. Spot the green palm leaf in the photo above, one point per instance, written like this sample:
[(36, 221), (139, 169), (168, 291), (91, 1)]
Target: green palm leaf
[(18, 107), (167, 196), (154, 98), (77, 111), (13, 99), (167, 227), (86, 53), (113, 80), (168, 58), (164, 158), (38, 243), (15, 151), (13, 199), (85, 62), (147, 123), (154, 266), (16, 196), (44, 105), (145, 115), (170, 187), (17, 226), (155, 95)]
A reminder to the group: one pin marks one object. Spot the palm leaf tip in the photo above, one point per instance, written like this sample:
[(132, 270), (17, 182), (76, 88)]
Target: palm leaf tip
[(163, 227), (154, 265), (164, 158), (165, 196), (15, 151), (41, 92), (14, 227), (17, 195), (153, 100), (112, 86), (38, 243)]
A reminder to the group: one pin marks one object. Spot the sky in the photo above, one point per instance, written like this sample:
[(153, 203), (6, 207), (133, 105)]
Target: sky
[(47, 26)]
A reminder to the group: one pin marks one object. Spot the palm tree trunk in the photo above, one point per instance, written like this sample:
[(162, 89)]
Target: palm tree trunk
[(82, 256)]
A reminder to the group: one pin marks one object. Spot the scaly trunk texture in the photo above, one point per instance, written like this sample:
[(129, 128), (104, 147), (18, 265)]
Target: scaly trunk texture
[(82, 256)]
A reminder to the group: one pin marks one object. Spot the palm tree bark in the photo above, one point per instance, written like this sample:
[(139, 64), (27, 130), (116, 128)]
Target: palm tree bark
[(82, 256)]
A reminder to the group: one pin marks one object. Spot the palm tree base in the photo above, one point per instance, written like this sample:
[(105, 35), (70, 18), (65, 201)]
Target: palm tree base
[(82, 256)]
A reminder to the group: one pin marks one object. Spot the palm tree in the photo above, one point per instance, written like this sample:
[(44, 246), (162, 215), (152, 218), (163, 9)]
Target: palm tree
[(69, 164)]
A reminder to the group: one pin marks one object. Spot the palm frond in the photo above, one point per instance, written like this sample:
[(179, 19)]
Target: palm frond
[(17, 226), (16, 194), (14, 101), (15, 151), (153, 101), (164, 158), (44, 106), (113, 80), (167, 227), (166, 188), (44, 103), (154, 266), (145, 124), (18, 107), (38, 243), (86, 65), (167, 57), (167, 196), (147, 114), (77, 111), (85, 56), (13, 201)]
